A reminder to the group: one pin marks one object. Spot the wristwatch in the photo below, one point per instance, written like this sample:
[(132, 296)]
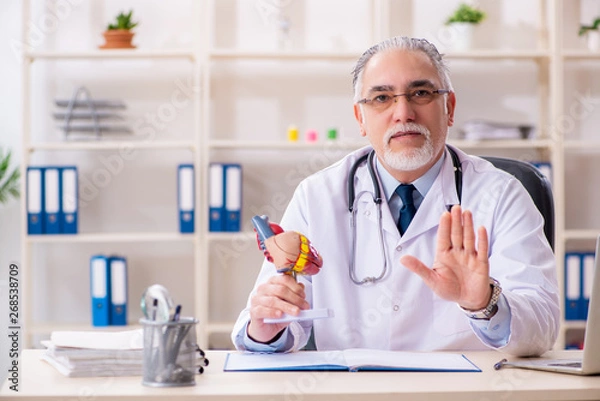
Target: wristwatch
[(492, 306)]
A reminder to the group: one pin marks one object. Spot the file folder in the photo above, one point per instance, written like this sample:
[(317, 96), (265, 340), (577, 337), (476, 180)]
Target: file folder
[(545, 168), (572, 285), (35, 200), (233, 196), (69, 199), (52, 200), (100, 290), (216, 198), (185, 198), (118, 291), (587, 276)]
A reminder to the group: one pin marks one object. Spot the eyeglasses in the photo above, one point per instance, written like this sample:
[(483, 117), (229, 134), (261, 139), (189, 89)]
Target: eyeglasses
[(420, 97)]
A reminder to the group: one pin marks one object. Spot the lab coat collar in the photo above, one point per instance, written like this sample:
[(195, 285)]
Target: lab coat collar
[(441, 195), (366, 207)]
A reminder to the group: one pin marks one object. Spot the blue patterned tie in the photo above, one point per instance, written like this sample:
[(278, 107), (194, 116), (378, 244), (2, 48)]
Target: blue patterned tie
[(407, 211)]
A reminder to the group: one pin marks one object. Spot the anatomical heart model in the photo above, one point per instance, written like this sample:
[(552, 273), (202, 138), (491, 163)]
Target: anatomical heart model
[(290, 251)]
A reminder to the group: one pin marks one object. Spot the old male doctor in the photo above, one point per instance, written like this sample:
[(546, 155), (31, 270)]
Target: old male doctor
[(477, 277)]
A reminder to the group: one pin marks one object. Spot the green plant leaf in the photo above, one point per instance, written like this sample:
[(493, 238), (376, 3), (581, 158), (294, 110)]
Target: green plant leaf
[(466, 13), (122, 21), (583, 29), (9, 182)]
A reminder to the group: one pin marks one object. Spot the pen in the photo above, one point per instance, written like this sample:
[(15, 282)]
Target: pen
[(154, 309), (177, 312)]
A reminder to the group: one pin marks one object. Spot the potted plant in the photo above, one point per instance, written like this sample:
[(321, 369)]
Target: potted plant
[(118, 34), (9, 179), (462, 23), (592, 34)]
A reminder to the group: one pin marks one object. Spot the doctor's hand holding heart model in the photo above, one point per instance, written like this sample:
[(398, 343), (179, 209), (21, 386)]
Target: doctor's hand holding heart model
[(423, 247)]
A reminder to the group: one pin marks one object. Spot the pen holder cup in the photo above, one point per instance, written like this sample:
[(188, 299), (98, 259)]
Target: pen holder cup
[(170, 353)]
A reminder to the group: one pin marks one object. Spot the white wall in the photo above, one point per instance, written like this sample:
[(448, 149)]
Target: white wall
[(249, 100)]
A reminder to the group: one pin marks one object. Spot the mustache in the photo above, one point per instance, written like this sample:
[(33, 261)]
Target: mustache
[(413, 127)]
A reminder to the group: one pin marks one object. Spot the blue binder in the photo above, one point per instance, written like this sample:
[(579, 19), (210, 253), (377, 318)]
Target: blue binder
[(545, 168), (216, 197), (52, 201), (587, 275), (572, 285), (69, 199), (233, 196), (35, 200), (185, 197), (100, 290), (118, 291)]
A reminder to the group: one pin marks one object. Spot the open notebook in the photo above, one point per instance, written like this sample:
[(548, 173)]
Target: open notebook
[(590, 363)]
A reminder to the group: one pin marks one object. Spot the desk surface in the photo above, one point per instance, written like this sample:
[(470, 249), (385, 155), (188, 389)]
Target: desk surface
[(40, 381)]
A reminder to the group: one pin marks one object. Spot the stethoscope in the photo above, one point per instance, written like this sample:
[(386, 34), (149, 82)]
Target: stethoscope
[(377, 200)]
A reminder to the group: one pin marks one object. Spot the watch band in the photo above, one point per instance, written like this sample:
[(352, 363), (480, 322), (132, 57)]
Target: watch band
[(492, 306)]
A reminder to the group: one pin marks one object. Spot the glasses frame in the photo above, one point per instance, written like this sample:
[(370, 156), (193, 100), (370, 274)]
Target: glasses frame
[(408, 97)]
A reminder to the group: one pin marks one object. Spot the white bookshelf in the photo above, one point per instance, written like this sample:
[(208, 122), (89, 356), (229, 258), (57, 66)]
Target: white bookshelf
[(34, 146), (547, 58), (218, 65)]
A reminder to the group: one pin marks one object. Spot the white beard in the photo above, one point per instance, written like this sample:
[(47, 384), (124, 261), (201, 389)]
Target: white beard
[(410, 159)]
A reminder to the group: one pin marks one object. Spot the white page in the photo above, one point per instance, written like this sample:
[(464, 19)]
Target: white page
[(124, 340), (409, 360), (276, 361)]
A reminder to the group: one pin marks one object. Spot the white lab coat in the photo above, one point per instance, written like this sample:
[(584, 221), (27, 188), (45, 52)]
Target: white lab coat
[(400, 312)]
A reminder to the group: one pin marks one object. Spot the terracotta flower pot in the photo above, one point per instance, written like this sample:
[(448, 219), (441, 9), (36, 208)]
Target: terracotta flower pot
[(117, 39)]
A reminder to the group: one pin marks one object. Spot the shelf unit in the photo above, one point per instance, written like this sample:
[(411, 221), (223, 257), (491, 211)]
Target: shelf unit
[(225, 264), (80, 150), (547, 56)]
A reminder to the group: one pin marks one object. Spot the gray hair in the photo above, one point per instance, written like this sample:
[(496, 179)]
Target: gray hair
[(402, 43)]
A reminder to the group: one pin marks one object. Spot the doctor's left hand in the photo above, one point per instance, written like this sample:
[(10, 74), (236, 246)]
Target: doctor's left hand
[(460, 271)]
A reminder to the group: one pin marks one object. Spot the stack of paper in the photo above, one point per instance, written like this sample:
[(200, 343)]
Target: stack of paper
[(94, 353), (480, 129)]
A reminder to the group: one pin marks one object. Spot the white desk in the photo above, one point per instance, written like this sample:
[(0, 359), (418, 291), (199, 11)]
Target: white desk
[(40, 381)]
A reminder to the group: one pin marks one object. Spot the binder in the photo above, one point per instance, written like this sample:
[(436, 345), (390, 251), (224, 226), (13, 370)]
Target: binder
[(52, 200), (69, 199), (100, 290), (545, 168), (35, 200), (118, 291), (572, 285), (216, 197), (185, 197), (587, 275), (233, 196)]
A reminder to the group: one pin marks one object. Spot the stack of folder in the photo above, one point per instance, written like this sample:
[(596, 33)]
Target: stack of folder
[(579, 272), (108, 287), (95, 354), (225, 198), (52, 200)]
